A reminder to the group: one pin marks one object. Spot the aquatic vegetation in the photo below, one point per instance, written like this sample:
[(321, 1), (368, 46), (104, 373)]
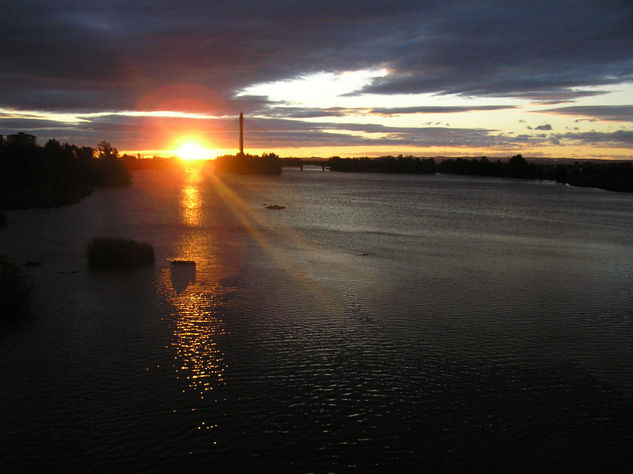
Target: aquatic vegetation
[(118, 253), (14, 289)]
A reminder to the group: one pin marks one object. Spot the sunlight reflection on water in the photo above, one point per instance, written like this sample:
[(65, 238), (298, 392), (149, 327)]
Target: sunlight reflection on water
[(198, 359), (191, 287), (190, 205)]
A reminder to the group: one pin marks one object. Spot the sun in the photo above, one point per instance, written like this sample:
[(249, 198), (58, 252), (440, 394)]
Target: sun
[(190, 149)]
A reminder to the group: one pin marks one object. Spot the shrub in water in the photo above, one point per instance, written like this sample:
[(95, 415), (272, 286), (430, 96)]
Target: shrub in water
[(117, 253), (14, 289)]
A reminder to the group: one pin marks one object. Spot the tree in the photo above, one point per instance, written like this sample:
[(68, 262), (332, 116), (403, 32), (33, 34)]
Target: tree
[(107, 151), (108, 169), (518, 167)]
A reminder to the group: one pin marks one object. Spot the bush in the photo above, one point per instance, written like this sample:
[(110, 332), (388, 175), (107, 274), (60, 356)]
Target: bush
[(14, 289), (118, 254)]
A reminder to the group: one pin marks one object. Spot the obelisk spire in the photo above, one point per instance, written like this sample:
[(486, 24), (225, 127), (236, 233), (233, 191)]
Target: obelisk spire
[(241, 134)]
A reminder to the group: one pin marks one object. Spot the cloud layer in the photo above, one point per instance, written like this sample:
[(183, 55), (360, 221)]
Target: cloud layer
[(196, 56)]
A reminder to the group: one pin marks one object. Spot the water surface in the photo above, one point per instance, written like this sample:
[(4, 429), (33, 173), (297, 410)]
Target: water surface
[(378, 322)]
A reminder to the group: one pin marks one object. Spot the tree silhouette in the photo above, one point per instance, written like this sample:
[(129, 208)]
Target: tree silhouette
[(107, 151)]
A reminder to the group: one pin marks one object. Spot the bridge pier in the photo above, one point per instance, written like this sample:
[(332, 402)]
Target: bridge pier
[(301, 164)]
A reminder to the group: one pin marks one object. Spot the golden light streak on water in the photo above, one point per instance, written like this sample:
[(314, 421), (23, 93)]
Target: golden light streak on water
[(255, 221), (199, 362), (192, 289), (190, 205)]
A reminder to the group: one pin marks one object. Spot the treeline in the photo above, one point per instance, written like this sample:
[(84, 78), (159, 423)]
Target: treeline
[(54, 174), (268, 163), (614, 176), (134, 163), (385, 164)]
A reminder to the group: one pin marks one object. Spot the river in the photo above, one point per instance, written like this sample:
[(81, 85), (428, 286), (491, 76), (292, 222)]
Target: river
[(375, 323)]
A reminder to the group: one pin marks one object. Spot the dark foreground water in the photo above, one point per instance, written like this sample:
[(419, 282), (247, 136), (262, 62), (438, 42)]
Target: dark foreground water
[(378, 323)]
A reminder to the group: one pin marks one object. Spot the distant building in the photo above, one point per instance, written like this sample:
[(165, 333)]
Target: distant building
[(21, 138)]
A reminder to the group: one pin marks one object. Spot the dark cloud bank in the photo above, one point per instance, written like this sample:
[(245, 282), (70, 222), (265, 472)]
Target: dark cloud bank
[(195, 56)]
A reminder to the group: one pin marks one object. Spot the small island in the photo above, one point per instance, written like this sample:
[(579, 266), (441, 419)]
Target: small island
[(241, 163), (267, 164)]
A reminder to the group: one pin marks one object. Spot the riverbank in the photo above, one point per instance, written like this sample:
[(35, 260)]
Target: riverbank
[(57, 175), (612, 176)]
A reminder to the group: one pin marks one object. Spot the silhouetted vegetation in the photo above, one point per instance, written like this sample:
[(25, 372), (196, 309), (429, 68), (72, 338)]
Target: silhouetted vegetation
[(134, 163), (291, 162), (14, 290), (248, 164), (385, 164), (118, 254), (55, 174), (613, 176), (108, 169), (3, 219)]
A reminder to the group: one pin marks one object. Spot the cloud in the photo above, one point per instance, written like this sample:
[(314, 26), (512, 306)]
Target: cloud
[(199, 56), (145, 132), (291, 133), (152, 131), (115, 55), (302, 113), (611, 113), (535, 50), (619, 138), (437, 109)]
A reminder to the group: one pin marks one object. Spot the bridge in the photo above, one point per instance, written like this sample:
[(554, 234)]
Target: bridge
[(299, 163)]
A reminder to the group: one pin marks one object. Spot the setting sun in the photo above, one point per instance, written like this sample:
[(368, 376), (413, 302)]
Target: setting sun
[(192, 150)]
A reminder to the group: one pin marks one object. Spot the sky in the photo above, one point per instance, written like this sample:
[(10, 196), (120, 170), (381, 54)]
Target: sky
[(322, 78)]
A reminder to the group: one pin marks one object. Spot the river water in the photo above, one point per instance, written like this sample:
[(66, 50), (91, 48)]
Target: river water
[(376, 323)]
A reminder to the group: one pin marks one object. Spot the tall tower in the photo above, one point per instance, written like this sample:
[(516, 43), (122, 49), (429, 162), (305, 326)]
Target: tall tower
[(241, 134)]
